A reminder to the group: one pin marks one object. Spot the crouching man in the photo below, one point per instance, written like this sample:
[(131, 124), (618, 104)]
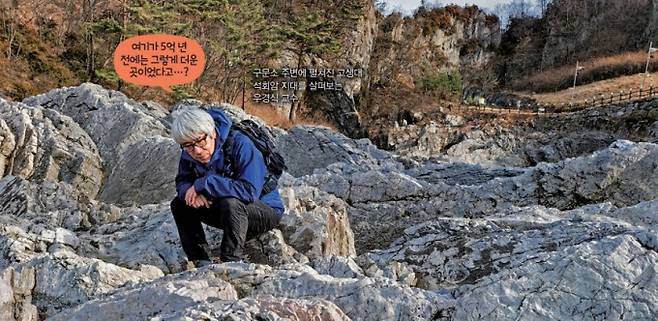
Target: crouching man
[(222, 181)]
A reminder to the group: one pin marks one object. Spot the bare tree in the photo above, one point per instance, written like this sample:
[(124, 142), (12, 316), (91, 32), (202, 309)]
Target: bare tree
[(541, 5), (15, 14), (9, 24), (433, 4), (519, 9), (381, 5)]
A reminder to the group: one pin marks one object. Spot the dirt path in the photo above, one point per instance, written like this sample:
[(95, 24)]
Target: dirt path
[(588, 91)]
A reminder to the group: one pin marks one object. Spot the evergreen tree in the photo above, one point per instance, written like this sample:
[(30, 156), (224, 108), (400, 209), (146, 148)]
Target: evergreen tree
[(234, 35), (310, 34), (245, 43)]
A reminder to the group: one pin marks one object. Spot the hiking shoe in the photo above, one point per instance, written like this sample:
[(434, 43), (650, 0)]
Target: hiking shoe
[(201, 263)]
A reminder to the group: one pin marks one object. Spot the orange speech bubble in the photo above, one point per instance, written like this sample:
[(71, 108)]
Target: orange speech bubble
[(159, 60)]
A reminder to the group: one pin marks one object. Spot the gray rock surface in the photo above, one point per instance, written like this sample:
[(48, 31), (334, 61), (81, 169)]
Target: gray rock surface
[(145, 235), (455, 173), (53, 204), (16, 295), (383, 203), (267, 307), (288, 292), (317, 223), (367, 234), (533, 259), (270, 248), (449, 252), (360, 299), (121, 127), (612, 279), (42, 144), (307, 148), (337, 266), (160, 299), (499, 146), (653, 131), (201, 294), (147, 175), (519, 146), (549, 138), (63, 279)]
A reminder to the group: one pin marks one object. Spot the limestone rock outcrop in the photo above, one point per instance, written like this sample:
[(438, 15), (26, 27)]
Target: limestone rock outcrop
[(120, 128), (42, 144), (307, 148), (568, 233), (360, 299), (317, 223), (385, 202), (550, 138), (167, 297), (588, 279), (54, 282), (54, 204)]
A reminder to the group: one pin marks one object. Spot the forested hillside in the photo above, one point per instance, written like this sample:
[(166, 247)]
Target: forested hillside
[(395, 59), (54, 43), (572, 30), (405, 64)]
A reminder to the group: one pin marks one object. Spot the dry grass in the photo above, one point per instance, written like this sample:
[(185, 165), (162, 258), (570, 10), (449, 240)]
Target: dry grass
[(596, 89), (479, 118), (594, 70), (273, 117)]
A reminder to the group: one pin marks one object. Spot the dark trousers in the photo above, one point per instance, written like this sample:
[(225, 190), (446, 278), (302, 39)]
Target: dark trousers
[(239, 221)]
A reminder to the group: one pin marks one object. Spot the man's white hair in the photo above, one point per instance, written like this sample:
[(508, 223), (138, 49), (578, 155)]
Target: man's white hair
[(190, 123)]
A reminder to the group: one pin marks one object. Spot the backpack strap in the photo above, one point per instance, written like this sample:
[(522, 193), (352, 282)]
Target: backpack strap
[(228, 143), (227, 148), (270, 182)]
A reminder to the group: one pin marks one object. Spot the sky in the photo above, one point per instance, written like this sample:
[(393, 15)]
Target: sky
[(408, 6)]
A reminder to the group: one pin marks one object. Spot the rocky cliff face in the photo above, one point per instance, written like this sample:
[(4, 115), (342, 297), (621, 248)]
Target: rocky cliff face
[(86, 231), (412, 54), (394, 51), (440, 39)]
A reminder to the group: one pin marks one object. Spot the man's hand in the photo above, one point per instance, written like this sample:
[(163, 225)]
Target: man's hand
[(200, 201), (190, 196), (193, 199)]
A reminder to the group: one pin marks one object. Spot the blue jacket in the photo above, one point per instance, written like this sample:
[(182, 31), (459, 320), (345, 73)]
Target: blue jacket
[(241, 175)]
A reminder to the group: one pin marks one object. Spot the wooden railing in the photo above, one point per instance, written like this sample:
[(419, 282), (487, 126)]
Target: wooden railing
[(612, 98), (596, 101)]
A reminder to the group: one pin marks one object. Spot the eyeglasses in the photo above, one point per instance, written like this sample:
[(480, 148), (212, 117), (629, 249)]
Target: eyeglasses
[(200, 142)]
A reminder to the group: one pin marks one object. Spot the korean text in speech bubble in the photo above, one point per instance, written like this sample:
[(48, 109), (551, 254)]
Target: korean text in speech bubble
[(159, 60)]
